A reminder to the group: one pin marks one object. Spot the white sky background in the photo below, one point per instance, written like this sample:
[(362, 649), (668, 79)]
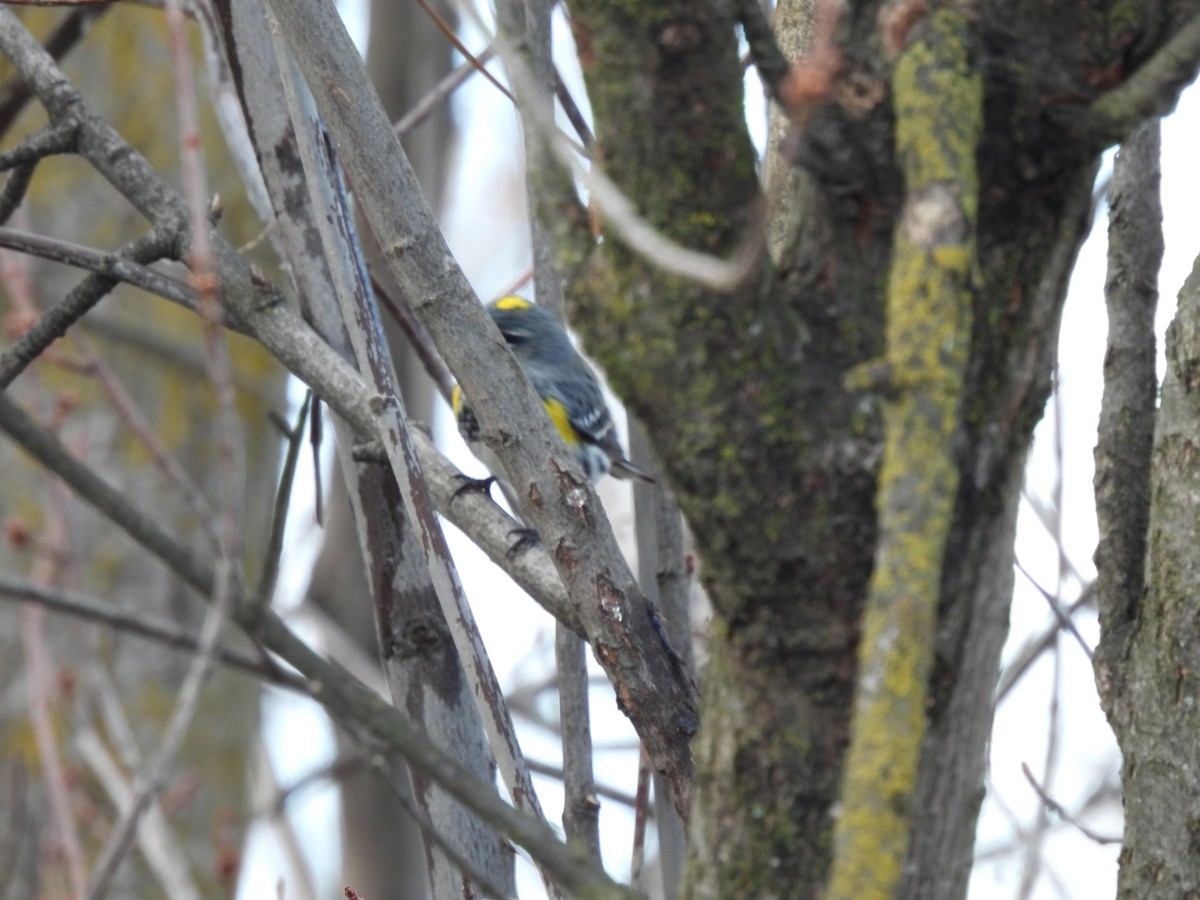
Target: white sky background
[(484, 229)]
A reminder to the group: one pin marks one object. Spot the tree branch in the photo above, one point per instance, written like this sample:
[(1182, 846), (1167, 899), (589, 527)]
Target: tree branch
[(939, 117), (557, 499), (1151, 91), (352, 705), (90, 609), (126, 265), (1127, 413)]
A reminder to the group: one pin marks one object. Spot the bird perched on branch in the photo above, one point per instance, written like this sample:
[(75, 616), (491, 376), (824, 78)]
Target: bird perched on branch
[(568, 388)]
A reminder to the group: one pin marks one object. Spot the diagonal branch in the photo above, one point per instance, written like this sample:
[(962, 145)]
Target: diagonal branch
[(556, 498), (355, 707), (109, 269), (92, 610)]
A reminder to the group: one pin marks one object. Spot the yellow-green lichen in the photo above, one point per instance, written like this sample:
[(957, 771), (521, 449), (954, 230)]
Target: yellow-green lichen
[(938, 119)]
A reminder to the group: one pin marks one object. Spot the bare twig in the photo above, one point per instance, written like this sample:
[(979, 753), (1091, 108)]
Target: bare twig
[(53, 139), (441, 92), (1033, 648), (14, 190), (602, 790), (621, 214), (152, 779), (129, 412), (641, 815), (269, 804), (1055, 807), (283, 495), (581, 808), (40, 681), (165, 857), (574, 113), (110, 268), (445, 28), (1062, 615), (142, 625)]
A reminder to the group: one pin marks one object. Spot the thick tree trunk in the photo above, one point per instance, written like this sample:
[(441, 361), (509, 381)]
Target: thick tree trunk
[(1146, 497), (772, 458)]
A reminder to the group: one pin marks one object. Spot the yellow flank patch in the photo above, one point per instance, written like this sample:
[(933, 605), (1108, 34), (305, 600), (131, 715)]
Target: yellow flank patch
[(558, 415), (513, 303), (456, 400)]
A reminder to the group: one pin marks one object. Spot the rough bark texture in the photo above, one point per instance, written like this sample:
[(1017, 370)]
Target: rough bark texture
[(772, 458), (1158, 711), (405, 59), (1146, 497)]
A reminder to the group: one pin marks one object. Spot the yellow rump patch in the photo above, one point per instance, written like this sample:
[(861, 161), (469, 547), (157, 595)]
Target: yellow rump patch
[(558, 415)]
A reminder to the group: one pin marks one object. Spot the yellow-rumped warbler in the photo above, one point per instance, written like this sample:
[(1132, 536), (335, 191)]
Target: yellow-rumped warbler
[(567, 385)]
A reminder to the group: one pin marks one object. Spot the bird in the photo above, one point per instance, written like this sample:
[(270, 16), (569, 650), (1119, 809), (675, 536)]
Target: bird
[(567, 385)]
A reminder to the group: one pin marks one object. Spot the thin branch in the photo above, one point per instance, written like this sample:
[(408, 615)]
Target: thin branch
[(445, 28), (269, 804), (581, 808), (1055, 807), (283, 495), (1032, 650), (641, 815), (162, 852), (1062, 615), (573, 113), (41, 680), (127, 408), (602, 790), (50, 140), (111, 268), (621, 216), (152, 779), (140, 624), (1033, 850), (15, 187), (429, 104)]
